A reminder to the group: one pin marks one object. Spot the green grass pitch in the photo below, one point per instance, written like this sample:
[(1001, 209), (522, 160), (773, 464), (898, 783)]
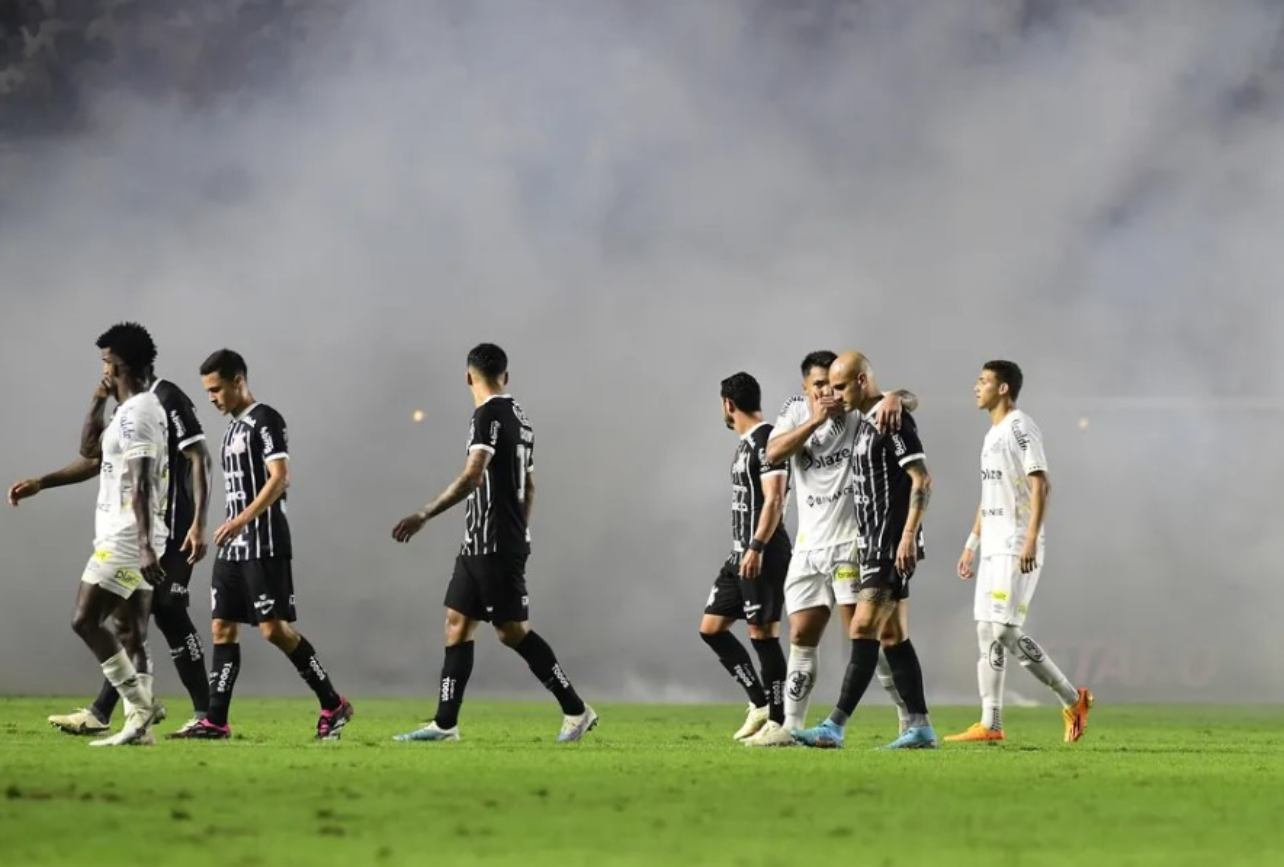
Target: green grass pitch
[(653, 785)]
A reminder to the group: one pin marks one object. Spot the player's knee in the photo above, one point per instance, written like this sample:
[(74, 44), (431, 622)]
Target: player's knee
[(279, 633), (1017, 642), (893, 633), (223, 631), (511, 633), (82, 623)]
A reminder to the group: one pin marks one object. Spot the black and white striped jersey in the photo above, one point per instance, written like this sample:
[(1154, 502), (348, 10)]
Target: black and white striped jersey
[(184, 431), (254, 439), (748, 468), (882, 486), (495, 519)]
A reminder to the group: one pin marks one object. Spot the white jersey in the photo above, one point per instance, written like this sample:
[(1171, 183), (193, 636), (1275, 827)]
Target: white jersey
[(1013, 450), (137, 430), (821, 474)]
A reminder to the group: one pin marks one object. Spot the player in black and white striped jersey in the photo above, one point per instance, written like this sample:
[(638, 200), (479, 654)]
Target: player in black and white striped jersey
[(489, 581), (252, 581), (751, 583)]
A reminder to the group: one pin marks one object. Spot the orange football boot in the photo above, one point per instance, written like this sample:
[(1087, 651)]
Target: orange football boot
[(976, 733), (1076, 716)]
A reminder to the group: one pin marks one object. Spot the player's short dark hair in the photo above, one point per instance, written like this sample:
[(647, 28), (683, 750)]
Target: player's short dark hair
[(488, 360), (1007, 372), (819, 358), (131, 343), (227, 363), (743, 392)]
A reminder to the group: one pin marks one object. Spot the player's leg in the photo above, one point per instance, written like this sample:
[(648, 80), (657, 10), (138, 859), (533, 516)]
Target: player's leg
[(1009, 601), (170, 603), (764, 599), (808, 600), (107, 580), (846, 588), (271, 585), (229, 607), (502, 580), (464, 611), (726, 605), (991, 672), (907, 672)]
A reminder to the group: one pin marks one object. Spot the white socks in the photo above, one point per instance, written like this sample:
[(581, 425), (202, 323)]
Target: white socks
[(798, 683), (884, 672), (1035, 661), (991, 670), (120, 672)]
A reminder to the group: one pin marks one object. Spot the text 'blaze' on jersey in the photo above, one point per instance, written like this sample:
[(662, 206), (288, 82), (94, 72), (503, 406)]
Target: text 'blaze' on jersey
[(883, 487), (495, 517), (748, 468), (136, 431), (184, 431), (254, 439)]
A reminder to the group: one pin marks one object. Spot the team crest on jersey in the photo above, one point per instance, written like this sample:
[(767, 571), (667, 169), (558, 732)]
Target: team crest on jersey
[(238, 445)]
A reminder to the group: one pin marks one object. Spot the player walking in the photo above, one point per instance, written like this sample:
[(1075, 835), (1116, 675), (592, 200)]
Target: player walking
[(252, 580), (129, 526), (816, 435), (489, 581), (1008, 534), (751, 583), (892, 492)]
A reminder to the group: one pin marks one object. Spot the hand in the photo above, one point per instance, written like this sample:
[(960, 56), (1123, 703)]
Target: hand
[(964, 569), (1029, 556), (824, 407), (887, 413), (229, 531), (194, 544), (750, 565), (408, 526), (907, 555), (153, 574), (104, 389), (20, 491)]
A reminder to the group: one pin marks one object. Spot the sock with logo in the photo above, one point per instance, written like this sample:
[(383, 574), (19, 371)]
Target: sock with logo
[(304, 657), (908, 675), (798, 683), (1034, 660), (771, 661), (543, 664), (188, 654), (120, 671), (223, 671), (991, 670), (735, 659), (455, 669)]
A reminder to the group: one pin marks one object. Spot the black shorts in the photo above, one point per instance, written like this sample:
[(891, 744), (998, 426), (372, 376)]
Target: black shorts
[(172, 592), (252, 591), (490, 587), (882, 579), (757, 601)]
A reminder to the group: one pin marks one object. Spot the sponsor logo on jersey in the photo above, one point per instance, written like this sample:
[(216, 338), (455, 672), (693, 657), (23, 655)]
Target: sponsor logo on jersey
[(991, 475), (1022, 438), (268, 445)]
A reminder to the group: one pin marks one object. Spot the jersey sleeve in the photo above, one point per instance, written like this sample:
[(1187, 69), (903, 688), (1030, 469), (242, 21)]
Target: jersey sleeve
[(1029, 442), (792, 414), (764, 467), (905, 442), (272, 438), (483, 432), (142, 433), (182, 419)]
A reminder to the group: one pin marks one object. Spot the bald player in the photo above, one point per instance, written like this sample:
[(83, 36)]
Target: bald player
[(892, 488)]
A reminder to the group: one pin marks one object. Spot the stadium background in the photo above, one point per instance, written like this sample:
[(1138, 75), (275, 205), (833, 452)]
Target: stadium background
[(635, 205)]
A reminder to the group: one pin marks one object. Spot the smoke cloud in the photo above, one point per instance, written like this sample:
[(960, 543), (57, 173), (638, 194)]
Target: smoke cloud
[(636, 200)]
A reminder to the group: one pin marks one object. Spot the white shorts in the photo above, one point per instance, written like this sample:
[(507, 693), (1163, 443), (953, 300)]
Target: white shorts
[(819, 578), (115, 572), (1003, 591)]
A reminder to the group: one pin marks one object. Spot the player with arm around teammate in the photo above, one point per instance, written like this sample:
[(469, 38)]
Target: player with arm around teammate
[(1008, 535)]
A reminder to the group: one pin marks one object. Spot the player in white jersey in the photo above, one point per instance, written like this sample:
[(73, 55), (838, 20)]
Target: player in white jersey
[(130, 525), (817, 437), (1008, 535)]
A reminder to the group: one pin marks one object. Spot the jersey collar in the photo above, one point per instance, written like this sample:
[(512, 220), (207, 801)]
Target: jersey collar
[(745, 436), (248, 410), (497, 397)]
